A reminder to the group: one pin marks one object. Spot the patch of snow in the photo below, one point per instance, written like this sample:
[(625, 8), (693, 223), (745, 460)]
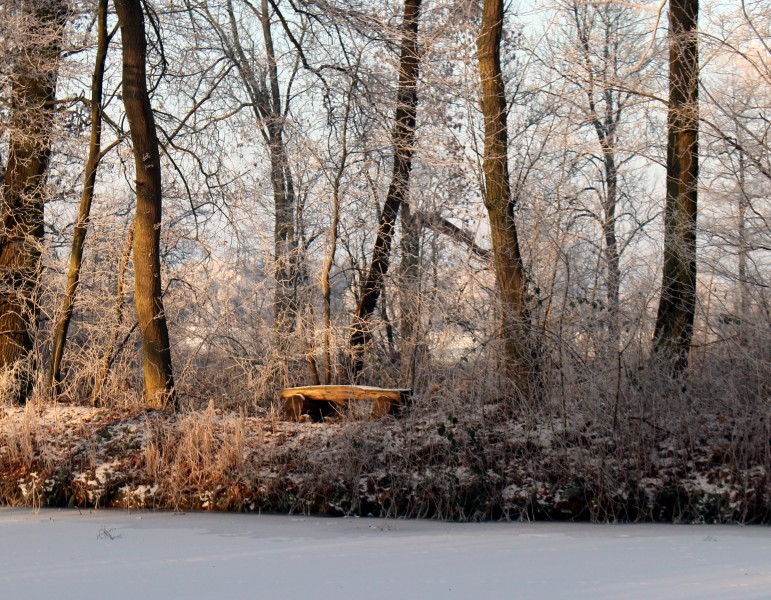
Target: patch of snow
[(205, 555)]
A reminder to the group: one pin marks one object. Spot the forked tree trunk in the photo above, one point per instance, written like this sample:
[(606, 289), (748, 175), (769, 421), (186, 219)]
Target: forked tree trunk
[(22, 191), (677, 305), (84, 212), (266, 103), (404, 144), (159, 382), (509, 270)]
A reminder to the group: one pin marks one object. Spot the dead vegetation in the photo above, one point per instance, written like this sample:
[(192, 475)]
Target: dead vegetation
[(460, 453)]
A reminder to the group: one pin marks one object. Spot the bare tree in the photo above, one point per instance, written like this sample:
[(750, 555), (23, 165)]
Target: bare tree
[(403, 143), (159, 381), (270, 106), (677, 304), (84, 212), (603, 36), (22, 192), (500, 204)]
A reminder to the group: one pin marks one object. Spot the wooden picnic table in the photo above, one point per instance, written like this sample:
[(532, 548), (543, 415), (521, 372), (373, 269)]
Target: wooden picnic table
[(321, 401)]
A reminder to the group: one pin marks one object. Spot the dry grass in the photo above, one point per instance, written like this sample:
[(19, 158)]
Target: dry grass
[(609, 442)]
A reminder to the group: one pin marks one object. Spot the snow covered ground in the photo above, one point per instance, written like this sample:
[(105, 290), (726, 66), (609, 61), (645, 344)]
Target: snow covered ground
[(112, 554)]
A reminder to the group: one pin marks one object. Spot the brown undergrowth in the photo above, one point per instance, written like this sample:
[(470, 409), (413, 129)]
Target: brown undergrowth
[(447, 459)]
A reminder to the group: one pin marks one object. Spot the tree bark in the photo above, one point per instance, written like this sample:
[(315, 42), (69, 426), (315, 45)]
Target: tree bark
[(404, 143), (409, 294), (285, 236), (84, 212), (677, 305), (159, 382), (22, 194), (509, 269)]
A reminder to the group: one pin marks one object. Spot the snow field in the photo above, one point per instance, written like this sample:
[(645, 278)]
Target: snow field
[(118, 555)]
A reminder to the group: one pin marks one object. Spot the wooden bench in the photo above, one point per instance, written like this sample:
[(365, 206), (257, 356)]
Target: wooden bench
[(321, 401)]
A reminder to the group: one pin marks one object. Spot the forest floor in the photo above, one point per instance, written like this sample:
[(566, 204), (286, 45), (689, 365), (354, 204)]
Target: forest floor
[(453, 465)]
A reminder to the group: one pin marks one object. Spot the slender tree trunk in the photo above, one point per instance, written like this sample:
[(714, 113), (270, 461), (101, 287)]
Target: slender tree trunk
[(287, 257), (286, 273), (404, 144), (159, 382), (22, 190), (409, 299), (509, 270), (744, 289), (108, 358), (677, 305), (613, 269), (84, 212), (605, 126)]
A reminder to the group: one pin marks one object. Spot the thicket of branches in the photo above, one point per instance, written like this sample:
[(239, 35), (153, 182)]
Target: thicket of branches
[(284, 127)]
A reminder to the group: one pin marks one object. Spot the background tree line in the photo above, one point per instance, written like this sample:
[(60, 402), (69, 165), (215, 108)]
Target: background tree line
[(562, 202)]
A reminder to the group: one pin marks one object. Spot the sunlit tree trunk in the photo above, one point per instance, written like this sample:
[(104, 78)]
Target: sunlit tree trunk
[(329, 259), (677, 305), (159, 382), (509, 270), (22, 192), (84, 212)]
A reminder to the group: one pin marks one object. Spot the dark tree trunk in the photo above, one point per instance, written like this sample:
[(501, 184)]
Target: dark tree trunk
[(159, 382), (404, 144), (286, 248), (22, 191), (611, 242), (509, 270), (677, 305), (409, 299), (285, 241), (84, 212)]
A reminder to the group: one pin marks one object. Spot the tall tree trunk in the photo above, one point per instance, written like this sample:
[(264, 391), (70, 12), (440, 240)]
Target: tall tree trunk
[(409, 299), (677, 305), (84, 212), (509, 270), (613, 270), (404, 144), (285, 237), (744, 247), (22, 191), (285, 305), (264, 95), (159, 382)]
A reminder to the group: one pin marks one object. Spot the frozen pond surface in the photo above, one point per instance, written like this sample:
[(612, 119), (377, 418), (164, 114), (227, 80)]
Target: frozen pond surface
[(109, 554)]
